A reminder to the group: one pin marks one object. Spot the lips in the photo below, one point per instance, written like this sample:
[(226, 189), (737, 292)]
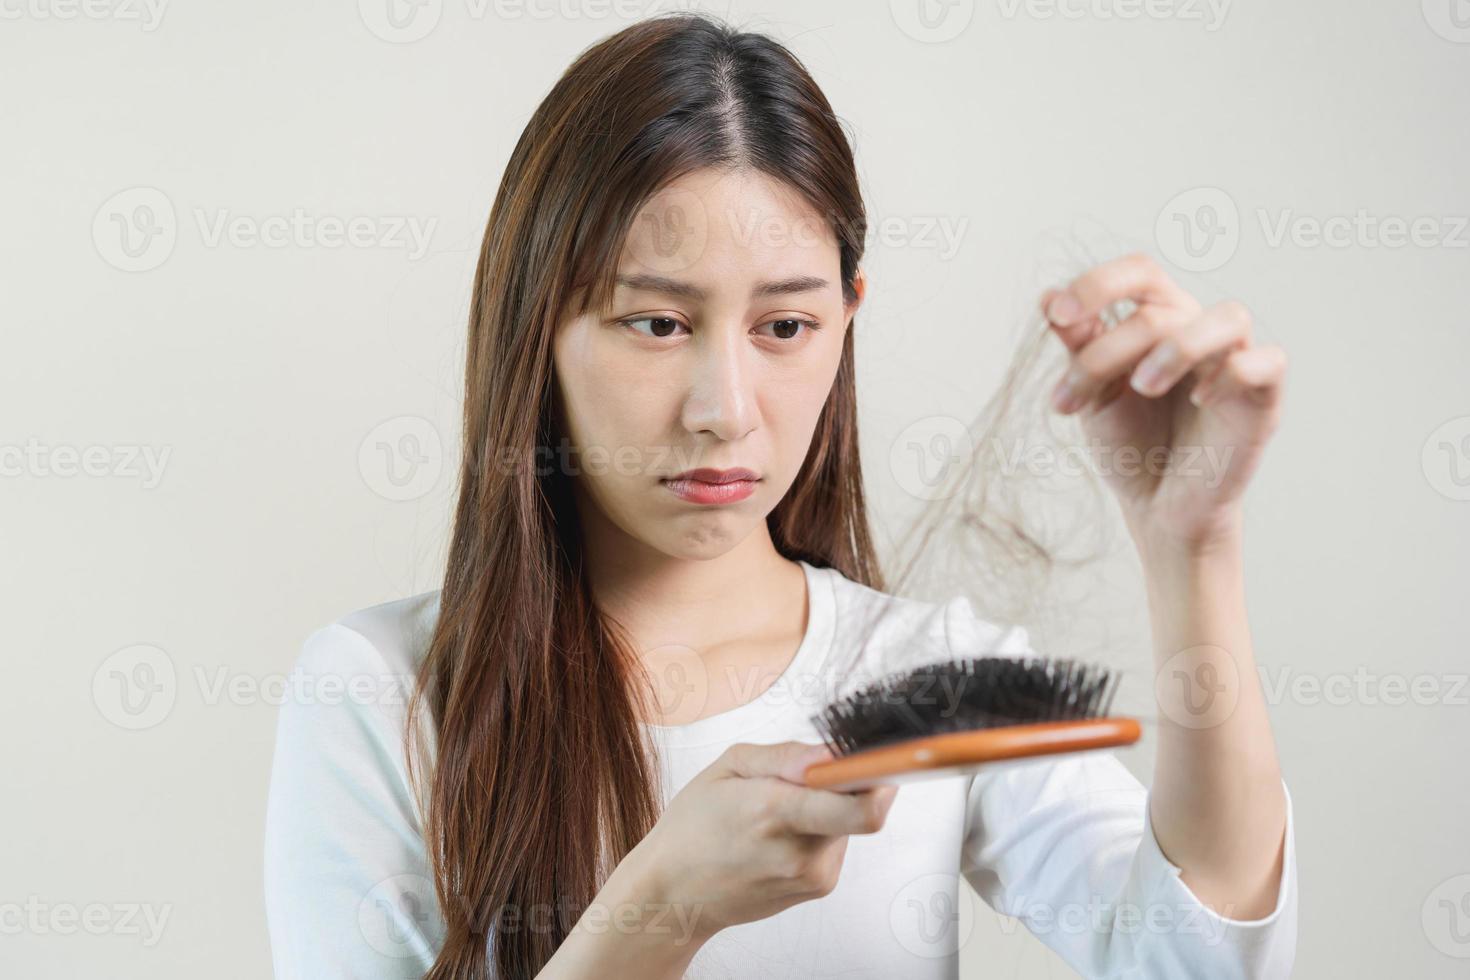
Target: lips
[(707, 475), (710, 486)]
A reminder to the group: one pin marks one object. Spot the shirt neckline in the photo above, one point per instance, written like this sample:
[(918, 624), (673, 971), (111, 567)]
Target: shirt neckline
[(787, 689)]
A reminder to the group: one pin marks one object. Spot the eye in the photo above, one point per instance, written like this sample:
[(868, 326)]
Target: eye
[(658, 326), (789, 328)]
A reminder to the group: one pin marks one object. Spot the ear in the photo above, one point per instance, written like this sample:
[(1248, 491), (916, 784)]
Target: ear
[(860, 287)]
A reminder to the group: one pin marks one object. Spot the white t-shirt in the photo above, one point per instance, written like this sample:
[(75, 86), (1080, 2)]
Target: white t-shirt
[(1063, 844)]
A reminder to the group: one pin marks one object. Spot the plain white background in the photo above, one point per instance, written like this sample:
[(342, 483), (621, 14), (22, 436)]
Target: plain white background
[(222, 426)]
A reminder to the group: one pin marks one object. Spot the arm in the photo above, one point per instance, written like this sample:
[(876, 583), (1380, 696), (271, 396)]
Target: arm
[(1187, 391), (1067, 846), (348, 888), (348, 891), (1218, 808), (627, 930)]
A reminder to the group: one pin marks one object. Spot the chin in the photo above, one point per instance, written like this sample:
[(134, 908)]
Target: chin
[(705, 536)]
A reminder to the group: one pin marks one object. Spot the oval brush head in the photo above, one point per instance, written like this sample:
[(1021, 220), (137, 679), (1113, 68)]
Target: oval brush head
[(955, 716)]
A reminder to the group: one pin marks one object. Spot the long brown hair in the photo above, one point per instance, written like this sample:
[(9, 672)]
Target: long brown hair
[(542, 779)]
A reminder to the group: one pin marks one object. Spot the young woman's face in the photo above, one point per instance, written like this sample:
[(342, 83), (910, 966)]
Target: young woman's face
[(718, 352)]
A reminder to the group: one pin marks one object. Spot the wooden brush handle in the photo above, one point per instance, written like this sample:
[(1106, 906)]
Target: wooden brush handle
[(962, 751)]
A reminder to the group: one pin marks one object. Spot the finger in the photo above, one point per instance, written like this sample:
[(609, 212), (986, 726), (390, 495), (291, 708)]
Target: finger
[(1258, 372), (815, 858), (1111, 355), (1074, 336), (1219, 330), (827, 813), (784, 760), (1137, 277)]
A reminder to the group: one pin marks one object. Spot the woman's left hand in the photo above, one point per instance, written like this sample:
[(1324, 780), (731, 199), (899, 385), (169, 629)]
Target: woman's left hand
[(1177, 400)]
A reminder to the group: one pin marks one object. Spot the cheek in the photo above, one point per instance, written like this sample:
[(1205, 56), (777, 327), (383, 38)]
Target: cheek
[(794, 403), (793, 419), (615, 412), (591, 386)]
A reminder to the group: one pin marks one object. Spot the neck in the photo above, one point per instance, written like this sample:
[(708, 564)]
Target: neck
[(696, 603)]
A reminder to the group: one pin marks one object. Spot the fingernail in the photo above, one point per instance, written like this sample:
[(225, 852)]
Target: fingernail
[(1063, 309), (1150, 371), (1064, 399)]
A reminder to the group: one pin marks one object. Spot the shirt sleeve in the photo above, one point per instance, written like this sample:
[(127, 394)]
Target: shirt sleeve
[(1065, 845), (348, 891)]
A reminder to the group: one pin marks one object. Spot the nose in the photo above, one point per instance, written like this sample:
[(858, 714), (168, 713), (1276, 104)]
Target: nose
[(721, 398)]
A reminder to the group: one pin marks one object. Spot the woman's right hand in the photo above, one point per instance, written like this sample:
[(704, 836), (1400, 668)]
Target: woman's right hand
[(745, 838)]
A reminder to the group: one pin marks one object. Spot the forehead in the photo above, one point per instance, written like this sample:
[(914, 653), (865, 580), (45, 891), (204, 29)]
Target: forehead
[(729, 224)]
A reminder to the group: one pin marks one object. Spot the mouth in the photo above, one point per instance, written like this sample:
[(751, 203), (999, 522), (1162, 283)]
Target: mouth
[(710, 486), (706, 475)]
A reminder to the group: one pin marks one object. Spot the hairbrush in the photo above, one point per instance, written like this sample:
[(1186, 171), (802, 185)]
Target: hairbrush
[(956, 716)]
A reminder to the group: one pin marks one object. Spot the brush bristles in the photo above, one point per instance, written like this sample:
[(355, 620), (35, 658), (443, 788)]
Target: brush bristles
[(964, 695)]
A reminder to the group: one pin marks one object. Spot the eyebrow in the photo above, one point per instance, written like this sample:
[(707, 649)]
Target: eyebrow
[(676, 287)]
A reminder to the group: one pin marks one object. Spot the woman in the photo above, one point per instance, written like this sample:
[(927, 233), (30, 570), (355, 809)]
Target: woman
[(599, 770)]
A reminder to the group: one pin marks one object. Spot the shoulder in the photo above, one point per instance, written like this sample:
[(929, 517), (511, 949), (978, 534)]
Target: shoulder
[(347, 695), (341, 728), (877, 633), (392, 637)]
